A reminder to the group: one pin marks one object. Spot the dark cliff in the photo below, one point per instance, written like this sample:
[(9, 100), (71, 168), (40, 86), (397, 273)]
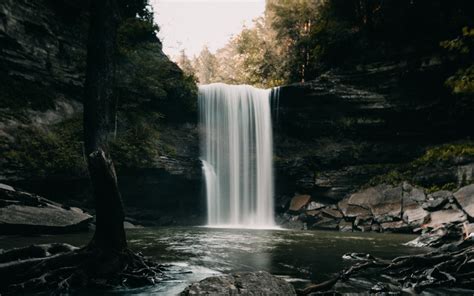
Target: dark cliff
[(42, 64), (342, 130)]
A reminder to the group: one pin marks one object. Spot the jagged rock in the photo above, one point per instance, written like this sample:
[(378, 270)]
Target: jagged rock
[(465, 198), (25, 213), (416, 217), (442, 217), (241, 283), (298, 202)]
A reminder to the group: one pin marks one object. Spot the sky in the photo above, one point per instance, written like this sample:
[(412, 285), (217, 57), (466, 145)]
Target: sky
[(191, 24)]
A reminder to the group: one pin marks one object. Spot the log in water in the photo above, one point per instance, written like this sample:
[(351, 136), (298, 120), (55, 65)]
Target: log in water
[(237, 152)]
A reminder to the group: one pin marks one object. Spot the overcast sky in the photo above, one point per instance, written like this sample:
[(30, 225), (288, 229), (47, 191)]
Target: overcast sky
[(191, 24)]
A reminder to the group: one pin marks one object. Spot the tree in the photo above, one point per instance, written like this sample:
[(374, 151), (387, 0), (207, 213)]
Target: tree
[(185, 63), (109, 234), (206, 66), (106, 259)]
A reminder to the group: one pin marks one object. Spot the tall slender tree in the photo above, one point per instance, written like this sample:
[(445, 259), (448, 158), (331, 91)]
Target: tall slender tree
[(109, 234)]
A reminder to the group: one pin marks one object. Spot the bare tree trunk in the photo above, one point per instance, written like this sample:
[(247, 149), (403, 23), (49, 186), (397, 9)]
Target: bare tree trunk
[(109, 234)]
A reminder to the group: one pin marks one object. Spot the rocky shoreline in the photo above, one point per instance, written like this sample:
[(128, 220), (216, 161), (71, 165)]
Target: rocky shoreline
[(386, 208)]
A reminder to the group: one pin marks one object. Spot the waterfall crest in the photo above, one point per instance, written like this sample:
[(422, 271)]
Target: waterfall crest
[(237, 152)]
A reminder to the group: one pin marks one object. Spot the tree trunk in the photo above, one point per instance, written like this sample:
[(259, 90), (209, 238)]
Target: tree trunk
[(109, 234)]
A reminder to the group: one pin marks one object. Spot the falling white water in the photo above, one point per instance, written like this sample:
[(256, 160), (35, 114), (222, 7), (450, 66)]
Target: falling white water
[(236, 152)]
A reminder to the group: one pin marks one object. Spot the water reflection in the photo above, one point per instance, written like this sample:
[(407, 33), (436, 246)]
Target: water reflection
[(194, 253)]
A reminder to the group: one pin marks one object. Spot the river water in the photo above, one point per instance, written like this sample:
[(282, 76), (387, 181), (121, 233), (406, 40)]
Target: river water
[(194, 253)]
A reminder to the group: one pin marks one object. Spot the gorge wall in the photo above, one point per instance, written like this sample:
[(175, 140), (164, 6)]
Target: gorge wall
[(343, 131)]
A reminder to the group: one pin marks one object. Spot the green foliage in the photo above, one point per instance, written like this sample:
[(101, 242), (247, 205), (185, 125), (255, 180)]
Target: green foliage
[(147, 80), (297, 40), (40, 152), (25, 94), (435, 157), (462, 81), (136, 147)]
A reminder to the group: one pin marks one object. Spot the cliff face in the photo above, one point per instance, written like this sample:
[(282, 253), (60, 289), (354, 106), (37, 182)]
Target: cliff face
[(43, 48), (42, 67), (336, 133)]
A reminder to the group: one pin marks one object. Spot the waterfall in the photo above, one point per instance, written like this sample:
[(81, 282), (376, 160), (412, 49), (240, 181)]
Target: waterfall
[(236, 153)]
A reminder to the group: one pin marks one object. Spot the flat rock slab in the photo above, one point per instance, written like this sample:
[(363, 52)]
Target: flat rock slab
[(444, 217), (25, 213), (298, 202), (241, 283), (465, 198)]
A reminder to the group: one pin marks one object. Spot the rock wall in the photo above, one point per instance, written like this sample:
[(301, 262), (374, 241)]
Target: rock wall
[(334, 134)]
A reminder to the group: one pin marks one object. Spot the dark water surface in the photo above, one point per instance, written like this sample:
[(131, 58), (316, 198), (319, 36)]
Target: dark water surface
[(197, 252)]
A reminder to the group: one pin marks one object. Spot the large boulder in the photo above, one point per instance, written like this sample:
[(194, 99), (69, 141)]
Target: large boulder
[(25, 213), (445, 217), (242, 283), (298, 202), (465, 198), (383, 201)]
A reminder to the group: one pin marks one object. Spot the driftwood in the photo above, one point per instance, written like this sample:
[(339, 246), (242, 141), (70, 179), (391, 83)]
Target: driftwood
[(441, 268)]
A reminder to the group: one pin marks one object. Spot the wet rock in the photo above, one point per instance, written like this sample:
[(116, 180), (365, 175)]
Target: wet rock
[(439, 236), (298, 202), (443, 217), (242, 283), (345, 226), (25, 213), (465, 198)]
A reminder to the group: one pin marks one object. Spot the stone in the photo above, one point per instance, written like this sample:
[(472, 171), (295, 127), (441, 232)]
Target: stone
[(315, 206), (353, 211), (25, 213), (465, 198), (395, 226), (326, 224), (434, 204), (437, 237), (6, 187), (443, 217), (383, 201), (241, 283), (413, 193), (298, 202), (332, 213), (345, 226), (416, 216), (468, 231)]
